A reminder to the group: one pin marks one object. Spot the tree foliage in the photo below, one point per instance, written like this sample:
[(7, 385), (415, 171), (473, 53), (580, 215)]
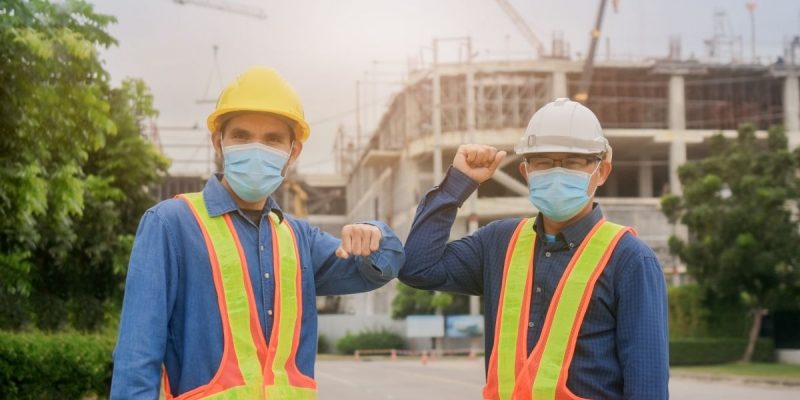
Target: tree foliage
[(740, 207), (75, 166), (409, 301)]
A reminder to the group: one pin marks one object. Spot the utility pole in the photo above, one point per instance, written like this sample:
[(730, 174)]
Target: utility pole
[(358, 118), (437, 116), (472, 203), (751, 8)]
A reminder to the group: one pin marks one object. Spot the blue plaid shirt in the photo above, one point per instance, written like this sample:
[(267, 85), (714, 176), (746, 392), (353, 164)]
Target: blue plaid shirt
[(170, 313), (622, 347)]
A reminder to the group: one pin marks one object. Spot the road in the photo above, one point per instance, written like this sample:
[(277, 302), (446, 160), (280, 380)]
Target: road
[(463, 380)]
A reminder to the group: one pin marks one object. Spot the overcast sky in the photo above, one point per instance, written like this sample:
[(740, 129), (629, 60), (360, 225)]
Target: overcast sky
[(323, 47)]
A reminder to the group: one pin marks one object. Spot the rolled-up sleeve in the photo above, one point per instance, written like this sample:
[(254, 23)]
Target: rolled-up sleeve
[(149, 298)]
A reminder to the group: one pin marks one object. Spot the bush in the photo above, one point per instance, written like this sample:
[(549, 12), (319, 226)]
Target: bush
[(694, 313), (704, 351), (323, 344), (370, 339), (62, 366)]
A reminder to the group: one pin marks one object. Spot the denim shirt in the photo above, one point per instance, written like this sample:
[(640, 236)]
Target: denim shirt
[(622, 346), (170, 315)]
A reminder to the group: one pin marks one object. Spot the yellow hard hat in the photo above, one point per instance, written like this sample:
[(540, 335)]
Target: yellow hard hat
[(261, 89)]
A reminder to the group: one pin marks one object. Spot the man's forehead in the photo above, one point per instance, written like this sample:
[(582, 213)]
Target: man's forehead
[(256, 122), (557, 155)]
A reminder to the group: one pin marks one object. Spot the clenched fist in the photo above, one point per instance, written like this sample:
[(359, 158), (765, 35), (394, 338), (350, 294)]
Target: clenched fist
[(478, 161), (359, 240)]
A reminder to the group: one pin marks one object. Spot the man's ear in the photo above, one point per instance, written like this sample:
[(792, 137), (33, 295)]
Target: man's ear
[(297, 148), (603, 172), (216, 141), (523, 171)]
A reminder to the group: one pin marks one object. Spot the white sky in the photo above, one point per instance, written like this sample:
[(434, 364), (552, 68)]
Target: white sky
[(323, 47)]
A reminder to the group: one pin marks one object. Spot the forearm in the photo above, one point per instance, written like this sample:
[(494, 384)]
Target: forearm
[(357, 274), (432, 263)]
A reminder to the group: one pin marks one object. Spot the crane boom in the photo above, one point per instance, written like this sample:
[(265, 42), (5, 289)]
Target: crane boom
[(227, 6), (523, 27)]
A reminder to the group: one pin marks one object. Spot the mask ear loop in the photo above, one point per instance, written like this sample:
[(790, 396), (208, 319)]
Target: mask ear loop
[(597, 168), (286, 166)]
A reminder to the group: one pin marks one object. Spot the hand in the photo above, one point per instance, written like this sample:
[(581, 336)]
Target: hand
[(478, 161), (359, 240)]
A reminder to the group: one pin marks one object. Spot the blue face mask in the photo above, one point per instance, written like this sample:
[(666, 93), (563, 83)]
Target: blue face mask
[(559, 193), (254, 170)]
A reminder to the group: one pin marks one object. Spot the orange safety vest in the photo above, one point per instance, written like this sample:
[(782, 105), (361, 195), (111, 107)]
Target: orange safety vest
[(513, 374), (251, 368)]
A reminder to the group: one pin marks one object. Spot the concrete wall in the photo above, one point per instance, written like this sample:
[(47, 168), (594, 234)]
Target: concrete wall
[(335, 326)]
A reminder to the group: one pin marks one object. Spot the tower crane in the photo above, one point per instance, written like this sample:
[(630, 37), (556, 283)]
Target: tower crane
[(222, 5), (526, 30)]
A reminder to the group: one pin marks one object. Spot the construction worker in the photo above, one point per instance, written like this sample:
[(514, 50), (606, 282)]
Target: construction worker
[(575, 306), (221, 287)]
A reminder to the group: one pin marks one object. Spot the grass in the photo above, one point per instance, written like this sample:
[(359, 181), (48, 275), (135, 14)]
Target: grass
[(760, 370)]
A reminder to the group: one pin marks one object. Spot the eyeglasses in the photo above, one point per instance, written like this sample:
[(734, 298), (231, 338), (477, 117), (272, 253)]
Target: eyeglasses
[(574, 163)]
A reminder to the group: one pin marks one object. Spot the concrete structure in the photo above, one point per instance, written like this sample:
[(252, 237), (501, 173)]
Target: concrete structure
[(657, 115)]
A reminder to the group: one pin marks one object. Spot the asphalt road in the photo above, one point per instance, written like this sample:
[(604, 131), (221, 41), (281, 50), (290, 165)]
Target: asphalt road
[(463, 380)]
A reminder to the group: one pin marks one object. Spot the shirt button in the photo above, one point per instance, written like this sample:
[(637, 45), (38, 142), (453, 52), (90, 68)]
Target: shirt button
[(269, 312), (571, 245), (547, 254), (266, 275), (261, 247), (538, 289), (530, 324)]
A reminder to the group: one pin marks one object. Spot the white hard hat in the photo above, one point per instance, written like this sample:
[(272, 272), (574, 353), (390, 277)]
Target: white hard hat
[(564, 126)]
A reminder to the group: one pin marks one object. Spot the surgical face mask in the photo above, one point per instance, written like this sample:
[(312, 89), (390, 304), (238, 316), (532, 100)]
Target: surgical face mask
[(560, 193), (254, 170)]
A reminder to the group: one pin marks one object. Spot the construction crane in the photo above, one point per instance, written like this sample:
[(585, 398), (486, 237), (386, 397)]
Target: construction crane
[(235, 8), (588, 65), (523, 27)]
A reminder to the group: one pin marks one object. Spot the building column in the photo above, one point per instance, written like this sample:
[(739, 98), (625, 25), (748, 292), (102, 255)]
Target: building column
[(645, 176), (677, 126), (560, 88), (791, 109), (612, 186)]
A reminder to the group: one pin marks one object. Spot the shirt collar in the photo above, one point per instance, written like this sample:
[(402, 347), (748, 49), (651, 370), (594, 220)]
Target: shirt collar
[(577, 231), (219, 201)]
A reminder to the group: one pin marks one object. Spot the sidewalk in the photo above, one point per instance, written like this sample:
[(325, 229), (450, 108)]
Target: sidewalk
[(759, 374)]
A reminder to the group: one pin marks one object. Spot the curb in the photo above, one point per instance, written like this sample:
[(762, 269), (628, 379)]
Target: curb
[(743, 379)]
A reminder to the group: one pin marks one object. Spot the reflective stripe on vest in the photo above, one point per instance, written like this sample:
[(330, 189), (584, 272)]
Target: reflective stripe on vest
[(249, 368), (512, 314), (553, 352)]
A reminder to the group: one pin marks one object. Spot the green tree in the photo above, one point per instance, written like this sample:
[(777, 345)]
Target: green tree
[(74, 165), (409, 301), (740, 207)]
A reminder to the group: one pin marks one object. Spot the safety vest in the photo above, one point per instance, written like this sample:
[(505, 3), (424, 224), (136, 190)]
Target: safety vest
[(513, 374), (251, 368)]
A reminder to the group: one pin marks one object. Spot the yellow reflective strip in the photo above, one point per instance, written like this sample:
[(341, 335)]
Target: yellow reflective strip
[(287, 314), (290, 393), (237, 393), (230, 266), (547, 375), (510, 318)]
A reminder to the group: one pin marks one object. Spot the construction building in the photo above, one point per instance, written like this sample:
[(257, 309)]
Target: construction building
[(657, 114)]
